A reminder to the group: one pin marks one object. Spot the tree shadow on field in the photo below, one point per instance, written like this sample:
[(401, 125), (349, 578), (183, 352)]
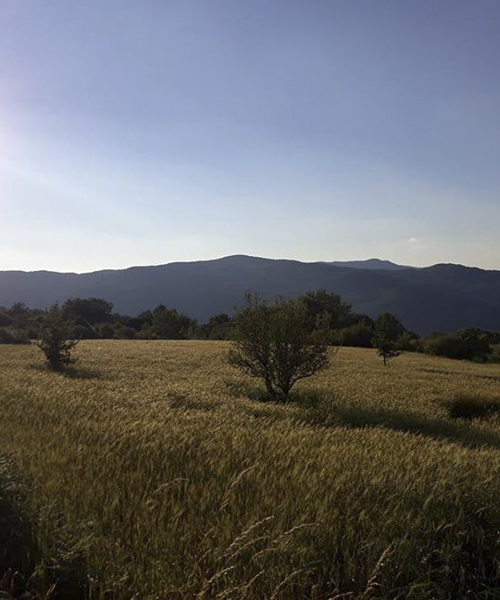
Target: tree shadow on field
[(438, 429), (183, 402), (246, 389), (70, 372), (81, 373), (460, 373), (253, 391), (459, 430)]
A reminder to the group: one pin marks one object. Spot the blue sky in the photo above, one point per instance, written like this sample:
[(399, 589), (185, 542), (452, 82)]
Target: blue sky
[(153, 131)]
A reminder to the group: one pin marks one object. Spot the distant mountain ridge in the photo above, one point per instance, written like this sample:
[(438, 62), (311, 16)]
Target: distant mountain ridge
[(441, 297), (374, 264)]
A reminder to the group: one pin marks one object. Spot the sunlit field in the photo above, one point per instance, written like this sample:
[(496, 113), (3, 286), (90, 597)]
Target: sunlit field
[(155, 470)]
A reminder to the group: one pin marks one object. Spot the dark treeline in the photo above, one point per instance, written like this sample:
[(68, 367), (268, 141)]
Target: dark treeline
[(94, 318)]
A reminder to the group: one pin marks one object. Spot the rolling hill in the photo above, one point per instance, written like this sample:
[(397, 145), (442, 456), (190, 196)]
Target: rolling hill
[(442, 297)]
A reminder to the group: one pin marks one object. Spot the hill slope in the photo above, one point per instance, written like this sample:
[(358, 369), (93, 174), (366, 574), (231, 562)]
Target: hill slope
[(442, 297)]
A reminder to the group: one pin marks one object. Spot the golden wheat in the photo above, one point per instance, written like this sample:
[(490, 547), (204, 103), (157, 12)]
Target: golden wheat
[(156, 471)]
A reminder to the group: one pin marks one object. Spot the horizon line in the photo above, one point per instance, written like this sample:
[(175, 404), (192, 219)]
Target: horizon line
[(333, 263)]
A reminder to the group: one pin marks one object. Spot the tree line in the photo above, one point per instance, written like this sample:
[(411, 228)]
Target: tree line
[(95, 318)]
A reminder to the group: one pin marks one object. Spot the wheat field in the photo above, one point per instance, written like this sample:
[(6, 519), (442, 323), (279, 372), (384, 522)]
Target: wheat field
[(156, 471)]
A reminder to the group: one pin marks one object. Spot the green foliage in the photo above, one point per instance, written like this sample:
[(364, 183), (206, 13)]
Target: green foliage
[(10, 336), (325, 305), (218, 327), (21, 321), (273, 342), (465, 344), (56, 339), (169, 324), (495, 353), (105, 331), (5, 320), (122, 332), (357, 335), (386, 333), (409, 342), (88, 311), (20, 315), (93, 318)]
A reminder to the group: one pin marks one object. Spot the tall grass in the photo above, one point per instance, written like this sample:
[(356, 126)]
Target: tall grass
[(158, 472)]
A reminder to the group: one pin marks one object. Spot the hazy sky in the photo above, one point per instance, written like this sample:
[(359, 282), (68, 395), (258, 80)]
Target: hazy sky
[(150, 131)]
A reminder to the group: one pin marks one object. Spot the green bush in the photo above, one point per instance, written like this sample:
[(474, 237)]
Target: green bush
[(10, 336), (409, 342), (122, 332), (495, 353), (85, 332), (466, 344), (57, 339), (358, 335), (105, 331)]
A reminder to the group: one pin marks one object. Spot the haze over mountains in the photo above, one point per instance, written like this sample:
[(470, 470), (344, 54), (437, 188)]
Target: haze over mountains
[(443, 297)]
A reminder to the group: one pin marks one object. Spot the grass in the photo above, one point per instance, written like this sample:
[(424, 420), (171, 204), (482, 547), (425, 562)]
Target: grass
[(155, 471)]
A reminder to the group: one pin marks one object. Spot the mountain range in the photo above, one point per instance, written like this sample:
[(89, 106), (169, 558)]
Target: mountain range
[(443, 297)]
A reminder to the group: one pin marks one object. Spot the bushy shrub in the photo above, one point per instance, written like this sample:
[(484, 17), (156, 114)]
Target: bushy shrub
[(358, 335), (494, 356), (218, 327), (169, 324), (88, 311), (273, 342), (321, 304), (57, 339), (466, 344), (409, 342), (5, 320), (85, 332), (146, 334), (105, 331), (10, 336), (122, 332)]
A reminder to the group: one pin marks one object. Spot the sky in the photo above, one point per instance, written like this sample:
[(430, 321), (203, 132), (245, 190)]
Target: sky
[(151, 131)]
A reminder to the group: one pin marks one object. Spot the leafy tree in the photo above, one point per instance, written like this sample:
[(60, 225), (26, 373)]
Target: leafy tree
[(20, 315), (88, 311), (327, 307), (409, 342), (220, 319), (274, 342), (55, 339), (105, 331), (218, 327), (168, 323), (123, 332), (386, 333), (358, 335)]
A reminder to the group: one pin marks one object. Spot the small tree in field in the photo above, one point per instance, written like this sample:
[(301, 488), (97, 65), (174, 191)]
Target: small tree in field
[(386, 333), (55, 339), (273, 342)]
